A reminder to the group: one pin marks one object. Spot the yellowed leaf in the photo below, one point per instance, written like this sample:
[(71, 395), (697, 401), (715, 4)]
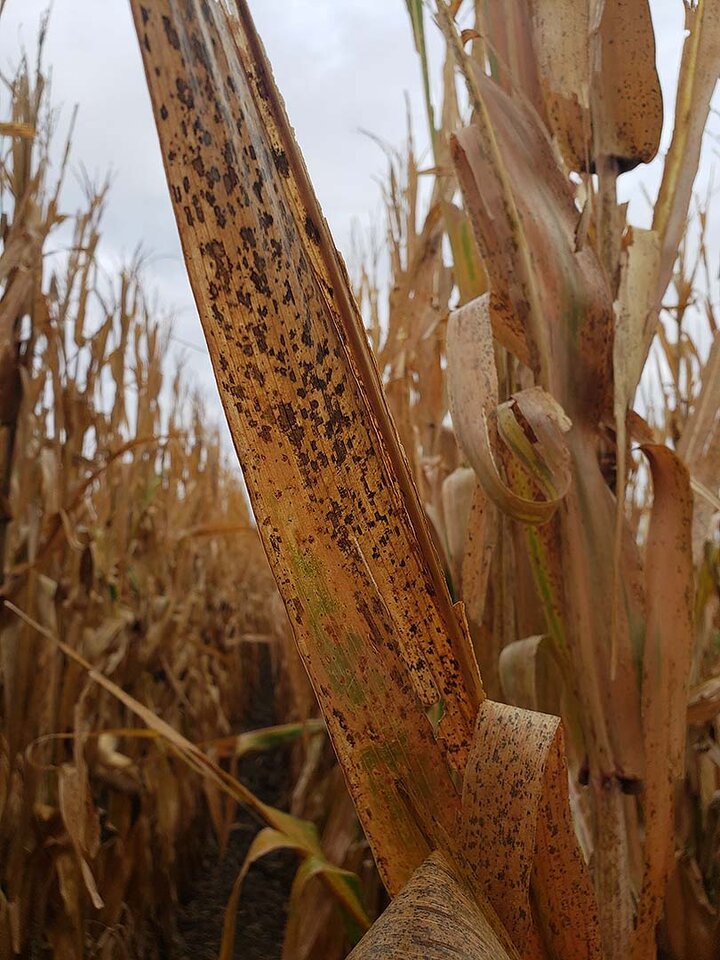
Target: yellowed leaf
[(305, 408)]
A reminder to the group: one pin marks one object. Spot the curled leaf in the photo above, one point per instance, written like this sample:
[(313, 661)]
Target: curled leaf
[(518, 832), (435, 917), (530, 424)]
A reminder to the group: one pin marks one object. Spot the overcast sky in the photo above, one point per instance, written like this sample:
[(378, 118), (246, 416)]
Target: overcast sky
[(342, 66)]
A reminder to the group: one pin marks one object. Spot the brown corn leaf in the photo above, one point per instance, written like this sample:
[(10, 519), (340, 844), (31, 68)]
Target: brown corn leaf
[(517, 830), (561, 34), (666, 667), (311, 868), (635, 324), (267, 841), (557, 296), (338, 513), (635, 316), (458, 492), (597, 71), (479, 543), (625, 94), (508, 42), (82, 823), (518, 667)]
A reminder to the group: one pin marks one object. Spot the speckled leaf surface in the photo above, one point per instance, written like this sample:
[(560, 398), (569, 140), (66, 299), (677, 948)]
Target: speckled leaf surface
[(336, 510), (518, 833), (597, 71)]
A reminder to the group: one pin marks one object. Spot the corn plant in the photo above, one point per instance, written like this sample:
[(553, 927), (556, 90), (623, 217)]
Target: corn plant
[(462, 798)]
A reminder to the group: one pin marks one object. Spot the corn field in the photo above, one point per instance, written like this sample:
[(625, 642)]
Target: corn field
[(463, 597)]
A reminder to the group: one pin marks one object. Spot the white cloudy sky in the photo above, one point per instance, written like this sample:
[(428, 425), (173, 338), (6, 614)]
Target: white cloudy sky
[(342, 65)]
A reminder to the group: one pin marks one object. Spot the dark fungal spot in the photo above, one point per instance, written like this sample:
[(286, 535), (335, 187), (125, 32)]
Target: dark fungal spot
[(184, 93), (248, 236), (311, 230), (171, 33), (261, 86), (281, 162)]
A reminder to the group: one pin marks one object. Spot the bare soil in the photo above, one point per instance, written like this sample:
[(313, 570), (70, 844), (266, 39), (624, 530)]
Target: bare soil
[(263, 904)]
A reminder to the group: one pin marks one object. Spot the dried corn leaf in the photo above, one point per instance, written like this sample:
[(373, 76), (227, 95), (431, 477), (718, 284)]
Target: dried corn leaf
[(356, 922), (268, 841), (338, 514), (666, 668), (518, 667), (635, 316), (82, 823), (699, 446), (480, 540), (597, 70), (627, 108), (699, 70), (434, 918), (542, 288), (517, 830), (458, 493), (561, 34)]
